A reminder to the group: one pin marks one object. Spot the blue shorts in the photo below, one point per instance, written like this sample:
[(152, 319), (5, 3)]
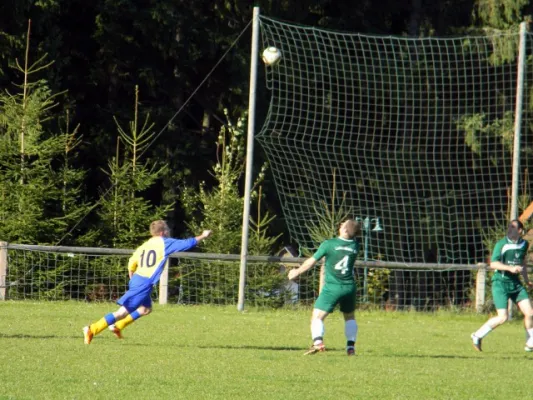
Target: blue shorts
[(133, 301), (139, 294)]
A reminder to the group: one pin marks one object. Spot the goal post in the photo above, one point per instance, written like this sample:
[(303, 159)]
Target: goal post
[(519, 104), (249, 158)]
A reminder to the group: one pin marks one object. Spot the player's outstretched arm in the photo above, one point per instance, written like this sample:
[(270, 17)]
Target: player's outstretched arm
[(205, 234), (307, 265), (176, 245)]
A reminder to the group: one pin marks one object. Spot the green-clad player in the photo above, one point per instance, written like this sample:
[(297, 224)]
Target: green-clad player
[(509, 260), (339, 284)]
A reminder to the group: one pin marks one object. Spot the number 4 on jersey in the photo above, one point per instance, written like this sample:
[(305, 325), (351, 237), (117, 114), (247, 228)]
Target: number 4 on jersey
[(342, 265)]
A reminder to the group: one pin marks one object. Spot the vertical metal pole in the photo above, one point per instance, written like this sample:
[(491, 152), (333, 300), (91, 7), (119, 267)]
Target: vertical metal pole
[(163, 284), (366, 230), (518, 120), (481, 279), (249, 157), (3, 270)]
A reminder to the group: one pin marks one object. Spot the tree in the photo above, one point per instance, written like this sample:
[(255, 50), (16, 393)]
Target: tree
[(39, 189), (220, 208), (125, 214)]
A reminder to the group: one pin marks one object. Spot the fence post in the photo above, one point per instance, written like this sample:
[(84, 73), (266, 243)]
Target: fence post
[(3, 270), (481, 278), (163, 285)]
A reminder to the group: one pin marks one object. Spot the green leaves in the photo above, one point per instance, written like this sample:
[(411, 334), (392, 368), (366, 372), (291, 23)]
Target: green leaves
[(125, 213), (40, 192), (220, 208)]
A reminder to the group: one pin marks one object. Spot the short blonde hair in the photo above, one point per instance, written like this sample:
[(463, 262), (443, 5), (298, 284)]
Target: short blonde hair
[(352, 227), (158, 227)]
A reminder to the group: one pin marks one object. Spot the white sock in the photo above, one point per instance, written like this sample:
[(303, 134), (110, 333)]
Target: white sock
[(529, 334), (484, 330), (350, 330), (317, 330)]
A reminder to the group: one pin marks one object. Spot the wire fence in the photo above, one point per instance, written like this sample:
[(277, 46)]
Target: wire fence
[(98, 274)]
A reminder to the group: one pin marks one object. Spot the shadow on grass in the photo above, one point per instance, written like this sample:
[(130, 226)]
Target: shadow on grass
[(27, 336), (249, 347), (445, 356), (255, 347)]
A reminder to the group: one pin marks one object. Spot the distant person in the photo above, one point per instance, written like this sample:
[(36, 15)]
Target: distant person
[(145, 267), (339, 285), (509, 261)]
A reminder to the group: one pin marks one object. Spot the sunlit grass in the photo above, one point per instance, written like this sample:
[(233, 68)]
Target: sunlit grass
[(204, 352)]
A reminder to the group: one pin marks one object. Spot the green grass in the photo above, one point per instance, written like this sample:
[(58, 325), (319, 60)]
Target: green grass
[(205, 352)]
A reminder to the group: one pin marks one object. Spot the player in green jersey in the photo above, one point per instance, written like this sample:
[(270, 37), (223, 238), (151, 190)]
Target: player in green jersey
[(509, 260), (339, 284)]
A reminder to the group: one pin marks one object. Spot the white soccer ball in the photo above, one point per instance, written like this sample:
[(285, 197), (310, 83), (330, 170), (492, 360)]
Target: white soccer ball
[(271, 55)]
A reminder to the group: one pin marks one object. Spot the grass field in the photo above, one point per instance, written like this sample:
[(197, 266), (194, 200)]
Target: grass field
[(202, 352)]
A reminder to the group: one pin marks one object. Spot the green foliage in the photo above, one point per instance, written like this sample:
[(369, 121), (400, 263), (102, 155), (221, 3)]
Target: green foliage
[(102, 49), (220, 209), (479, 132), (498, 18), (266, 283), (40, 192), (500, 14), (327, 222), (327, 217), (377, 283), (125, 213)]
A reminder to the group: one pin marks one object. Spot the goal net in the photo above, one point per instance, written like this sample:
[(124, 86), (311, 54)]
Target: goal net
[(417, 132)]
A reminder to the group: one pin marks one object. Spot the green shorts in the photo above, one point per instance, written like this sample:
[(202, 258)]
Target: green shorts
[(502, 291), (331, 295)]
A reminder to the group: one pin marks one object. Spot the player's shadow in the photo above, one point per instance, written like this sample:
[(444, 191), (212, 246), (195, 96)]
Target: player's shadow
[(253, 347), (440, 356), (26, 336)]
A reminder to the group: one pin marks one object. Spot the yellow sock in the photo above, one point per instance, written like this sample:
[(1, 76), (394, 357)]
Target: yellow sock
[(98, 326), (124, 322)]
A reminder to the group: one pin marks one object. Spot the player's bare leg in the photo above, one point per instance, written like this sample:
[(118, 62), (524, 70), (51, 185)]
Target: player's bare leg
[(350, 331), (122, 323), (488, 327), (527, 311), (317, 331)]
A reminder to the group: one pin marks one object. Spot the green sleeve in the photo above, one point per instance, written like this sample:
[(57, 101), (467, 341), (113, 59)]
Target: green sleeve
[(497, 252), (321, 252)]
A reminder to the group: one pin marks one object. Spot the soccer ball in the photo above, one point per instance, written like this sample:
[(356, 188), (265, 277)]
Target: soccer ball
[(271, 55)]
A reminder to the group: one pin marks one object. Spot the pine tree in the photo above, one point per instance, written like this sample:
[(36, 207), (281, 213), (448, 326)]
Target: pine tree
[(125, 214), (39, 189), (220, 208)]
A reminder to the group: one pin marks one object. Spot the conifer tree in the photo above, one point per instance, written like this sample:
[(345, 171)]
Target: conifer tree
[(39, 188), (125, 214), (220, 208)]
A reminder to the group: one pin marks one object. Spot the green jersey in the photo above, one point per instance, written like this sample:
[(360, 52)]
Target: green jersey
[(509, 253), (340, 258)]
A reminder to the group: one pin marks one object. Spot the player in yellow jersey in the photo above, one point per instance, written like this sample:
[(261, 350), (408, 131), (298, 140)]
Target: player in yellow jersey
[(145, 267)]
